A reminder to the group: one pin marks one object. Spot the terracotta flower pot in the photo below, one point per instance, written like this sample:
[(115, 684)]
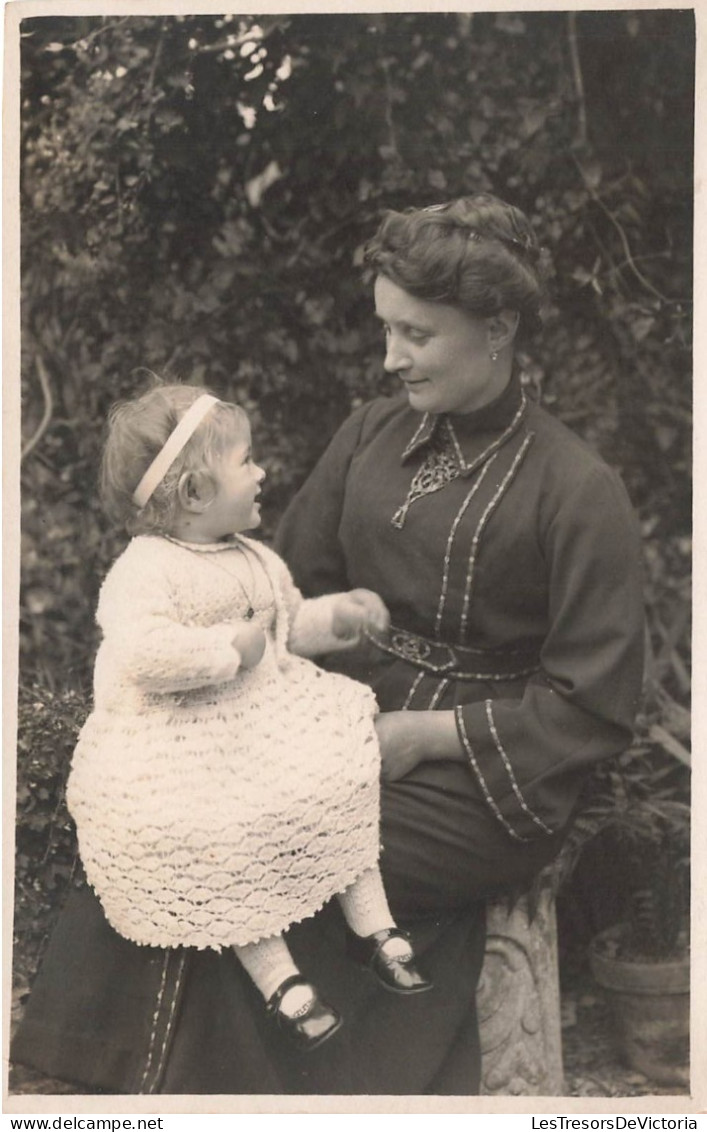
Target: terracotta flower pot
[(650, 1002)]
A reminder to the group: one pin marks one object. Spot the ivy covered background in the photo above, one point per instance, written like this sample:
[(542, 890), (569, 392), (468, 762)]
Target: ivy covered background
[(196, 192)]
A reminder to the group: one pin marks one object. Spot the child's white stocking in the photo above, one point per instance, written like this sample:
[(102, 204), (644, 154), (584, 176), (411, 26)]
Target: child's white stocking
[(269, 963), (365, 904)]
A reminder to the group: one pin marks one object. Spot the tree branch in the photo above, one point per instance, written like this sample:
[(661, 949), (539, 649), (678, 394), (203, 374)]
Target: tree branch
[(48, 409), (87, 39), (155, 63), (630, 261), (388, 110), (578, 79), (232, 41)]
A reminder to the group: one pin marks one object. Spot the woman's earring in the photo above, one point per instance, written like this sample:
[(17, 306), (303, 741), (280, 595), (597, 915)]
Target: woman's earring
[(494, 355)]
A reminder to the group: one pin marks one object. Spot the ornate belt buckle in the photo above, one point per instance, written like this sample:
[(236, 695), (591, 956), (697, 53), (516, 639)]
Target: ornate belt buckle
[(410, 647), (418, 651)]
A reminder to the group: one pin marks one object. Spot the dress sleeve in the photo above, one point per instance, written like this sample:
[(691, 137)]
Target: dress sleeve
[(144, 639), (308, 533), (580, 707)]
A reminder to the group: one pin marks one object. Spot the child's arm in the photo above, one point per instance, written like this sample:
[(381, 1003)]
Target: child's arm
[(330, 623), (146, 644), (336, 622), (356, 613)]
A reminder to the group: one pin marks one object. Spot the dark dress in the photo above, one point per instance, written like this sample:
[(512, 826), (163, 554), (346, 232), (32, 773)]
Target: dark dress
[(509, 557)]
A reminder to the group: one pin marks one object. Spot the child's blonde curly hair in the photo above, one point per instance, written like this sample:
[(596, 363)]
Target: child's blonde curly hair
[(138, 430)]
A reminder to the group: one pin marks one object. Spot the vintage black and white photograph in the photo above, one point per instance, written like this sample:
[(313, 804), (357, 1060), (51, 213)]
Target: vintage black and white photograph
[(351, 712)]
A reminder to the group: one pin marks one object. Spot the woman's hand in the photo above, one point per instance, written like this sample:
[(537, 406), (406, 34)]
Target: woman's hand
[(249, 640), (398, 737), (407, 738), (357, 611)]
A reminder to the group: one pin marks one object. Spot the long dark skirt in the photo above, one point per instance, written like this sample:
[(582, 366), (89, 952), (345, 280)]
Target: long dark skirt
[(113, 1016)]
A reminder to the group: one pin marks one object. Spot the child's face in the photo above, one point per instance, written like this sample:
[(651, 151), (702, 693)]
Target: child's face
[(237, 479)]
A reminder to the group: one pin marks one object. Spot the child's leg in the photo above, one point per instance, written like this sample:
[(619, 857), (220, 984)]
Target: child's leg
[(269, 963), (376, 940), (301, 1015), (365, 907)]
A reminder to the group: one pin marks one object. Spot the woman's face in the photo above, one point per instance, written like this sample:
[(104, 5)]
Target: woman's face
[(441, 354)]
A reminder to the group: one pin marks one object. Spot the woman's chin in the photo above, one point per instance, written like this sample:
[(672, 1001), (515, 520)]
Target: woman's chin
[(420, 398)]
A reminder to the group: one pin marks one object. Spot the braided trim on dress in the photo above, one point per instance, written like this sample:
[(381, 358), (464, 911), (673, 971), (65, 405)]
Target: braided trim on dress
[(488, 704), (170, 1020), (439, 692), (413, 688), (155, 1016), (412, 444), (490, 508), (439, 467), (482, 782), (450, 540)]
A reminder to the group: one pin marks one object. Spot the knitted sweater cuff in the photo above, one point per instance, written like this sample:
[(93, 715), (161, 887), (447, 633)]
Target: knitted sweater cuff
[(311, 632)]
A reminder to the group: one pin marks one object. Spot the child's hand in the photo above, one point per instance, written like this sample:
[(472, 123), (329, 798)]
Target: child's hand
[(249, 641), (357, 611)]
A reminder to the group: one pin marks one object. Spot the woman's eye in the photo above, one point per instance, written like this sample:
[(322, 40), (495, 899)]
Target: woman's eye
[(418, 336)]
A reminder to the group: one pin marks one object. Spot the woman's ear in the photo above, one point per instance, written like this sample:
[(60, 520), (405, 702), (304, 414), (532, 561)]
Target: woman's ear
[(502, 329), (195, 491)]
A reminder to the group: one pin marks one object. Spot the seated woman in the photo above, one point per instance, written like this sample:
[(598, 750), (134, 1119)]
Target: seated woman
[(509, 557)]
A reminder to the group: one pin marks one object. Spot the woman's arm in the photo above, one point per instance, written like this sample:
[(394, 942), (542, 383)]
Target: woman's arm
[(530, 755), (407, 738)]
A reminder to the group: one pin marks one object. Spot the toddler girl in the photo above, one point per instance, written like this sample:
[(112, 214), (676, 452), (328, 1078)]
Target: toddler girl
[(225, 787)]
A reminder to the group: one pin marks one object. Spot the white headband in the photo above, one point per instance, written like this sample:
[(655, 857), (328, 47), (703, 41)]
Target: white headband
[(173, 445)]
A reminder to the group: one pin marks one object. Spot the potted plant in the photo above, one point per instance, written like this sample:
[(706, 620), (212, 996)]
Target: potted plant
[(642, 962), (635, 829)]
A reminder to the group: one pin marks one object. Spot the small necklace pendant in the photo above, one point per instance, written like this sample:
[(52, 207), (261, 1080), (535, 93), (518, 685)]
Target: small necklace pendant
[(249, 613)]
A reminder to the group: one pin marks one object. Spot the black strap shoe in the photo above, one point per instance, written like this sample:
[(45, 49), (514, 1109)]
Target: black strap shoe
[(310, 1026), (397, 973)]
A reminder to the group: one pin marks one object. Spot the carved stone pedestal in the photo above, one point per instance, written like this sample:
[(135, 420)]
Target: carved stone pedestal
[(519, 1003)]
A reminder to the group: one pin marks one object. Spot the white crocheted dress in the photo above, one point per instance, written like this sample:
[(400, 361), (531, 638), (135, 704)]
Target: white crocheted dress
[(215, 804)]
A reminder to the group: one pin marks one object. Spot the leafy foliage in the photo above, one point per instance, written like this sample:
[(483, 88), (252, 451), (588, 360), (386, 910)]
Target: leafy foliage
[(196, 193), (48, 726), (629, 848), (637, 814)]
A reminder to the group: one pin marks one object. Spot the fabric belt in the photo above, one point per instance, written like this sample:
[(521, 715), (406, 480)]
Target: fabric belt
[(456, 662)]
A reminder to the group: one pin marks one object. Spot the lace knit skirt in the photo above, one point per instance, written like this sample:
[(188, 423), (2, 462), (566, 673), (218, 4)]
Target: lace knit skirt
[(230, 813)]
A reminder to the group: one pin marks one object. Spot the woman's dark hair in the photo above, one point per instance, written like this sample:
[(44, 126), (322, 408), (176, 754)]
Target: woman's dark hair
[(477, 253)]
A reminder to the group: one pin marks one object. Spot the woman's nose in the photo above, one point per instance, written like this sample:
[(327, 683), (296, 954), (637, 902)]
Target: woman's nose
[(395, 355), (260, 473)]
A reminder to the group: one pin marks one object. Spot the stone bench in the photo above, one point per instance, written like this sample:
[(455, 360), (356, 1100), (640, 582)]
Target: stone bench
[(519, 1002)]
